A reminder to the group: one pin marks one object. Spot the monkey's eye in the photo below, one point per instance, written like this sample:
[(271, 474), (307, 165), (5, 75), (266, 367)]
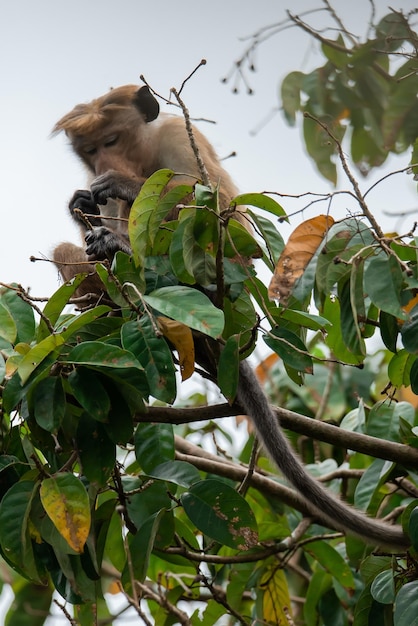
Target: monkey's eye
[(110, 141), (90, 150)]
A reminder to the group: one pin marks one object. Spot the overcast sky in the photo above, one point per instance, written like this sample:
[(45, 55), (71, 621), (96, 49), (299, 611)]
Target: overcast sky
[(56, 54)]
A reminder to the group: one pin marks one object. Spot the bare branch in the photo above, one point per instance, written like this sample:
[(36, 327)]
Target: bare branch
[(379, 448)]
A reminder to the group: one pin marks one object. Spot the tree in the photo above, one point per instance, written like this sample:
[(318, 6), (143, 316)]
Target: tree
[(102, 487)]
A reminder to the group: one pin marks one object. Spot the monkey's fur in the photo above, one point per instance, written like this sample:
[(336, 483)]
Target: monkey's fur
[(122, 140)]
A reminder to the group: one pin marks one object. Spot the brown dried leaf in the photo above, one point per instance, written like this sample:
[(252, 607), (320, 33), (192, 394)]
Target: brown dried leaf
[(299, 250)]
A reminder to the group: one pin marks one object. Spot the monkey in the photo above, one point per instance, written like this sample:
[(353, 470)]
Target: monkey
[(122, 139)]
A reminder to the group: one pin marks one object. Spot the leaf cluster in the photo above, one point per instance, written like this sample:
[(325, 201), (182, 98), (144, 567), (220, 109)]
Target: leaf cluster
[(92, 491), (365, 89)]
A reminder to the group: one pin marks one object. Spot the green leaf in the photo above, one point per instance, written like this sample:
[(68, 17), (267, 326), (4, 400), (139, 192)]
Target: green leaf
[(56, 303), (51, 345), (31, 603), (389, 330), (272, 238), (22, 313), (290, 348), (221, 513), (191, 255), (165, 204), (49, 403), (414, 159), (66, 502), (304, 319), (178, 472), (406, 605), (89, 391), (141, 506), (15, 538), (206, 229), (119, 425), (332, 562), (319, 584), (414, 377), (334, 338), (239, 240), (290, 93), (83, 319), (140, 549), (349, 325), (367, 496), (181, 249), (402, 102), (339, 58), (188, 306), (102, 355), (152, 351), (97, 452), (383, 587), (128, 275), (409, 332), (383, 283), (320, 147), (358, 306), (399, 368), (383, 419), (228, 368), (363, 608), (8, 329), (154, 444), (141, 211), (240, 317), (413, 527), (261, 201)]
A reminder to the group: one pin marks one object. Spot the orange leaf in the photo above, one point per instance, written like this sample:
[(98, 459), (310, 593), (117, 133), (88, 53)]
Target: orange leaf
[(299, 250), (181, 337), (262, 371)]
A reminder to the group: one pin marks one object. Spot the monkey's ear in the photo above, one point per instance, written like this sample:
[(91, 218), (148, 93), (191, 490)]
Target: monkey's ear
[(146, 103)]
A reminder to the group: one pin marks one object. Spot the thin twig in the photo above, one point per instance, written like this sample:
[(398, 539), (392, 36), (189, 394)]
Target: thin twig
[(202, 168)]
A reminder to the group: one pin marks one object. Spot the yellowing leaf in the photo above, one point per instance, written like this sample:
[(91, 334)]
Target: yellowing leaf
[(277, 607), (263, 369), (181, 337), (299, 250), (407, 308), (66, 502)]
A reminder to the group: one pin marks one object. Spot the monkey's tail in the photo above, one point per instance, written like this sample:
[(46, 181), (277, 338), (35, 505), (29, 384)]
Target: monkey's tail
[(321, 504)]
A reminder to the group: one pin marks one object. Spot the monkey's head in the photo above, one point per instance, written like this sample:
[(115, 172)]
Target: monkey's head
[(102, 129)]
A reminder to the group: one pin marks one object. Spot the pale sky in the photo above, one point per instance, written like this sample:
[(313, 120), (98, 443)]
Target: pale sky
[(56, 54)]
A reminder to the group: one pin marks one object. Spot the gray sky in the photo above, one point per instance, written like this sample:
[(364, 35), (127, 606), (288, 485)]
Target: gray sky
[(56, 54)]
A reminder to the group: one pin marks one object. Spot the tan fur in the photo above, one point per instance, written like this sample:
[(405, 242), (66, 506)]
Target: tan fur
[(141, 149)]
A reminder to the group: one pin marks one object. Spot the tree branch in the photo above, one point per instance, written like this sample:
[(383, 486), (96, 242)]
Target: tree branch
[(378, 448)]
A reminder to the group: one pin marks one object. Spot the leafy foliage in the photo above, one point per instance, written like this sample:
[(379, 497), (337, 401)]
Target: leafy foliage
[(362, 87), (83, 464), (101, 485)]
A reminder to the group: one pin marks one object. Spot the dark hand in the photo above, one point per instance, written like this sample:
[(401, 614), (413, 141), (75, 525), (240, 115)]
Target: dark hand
[(113, 184), (83, 201), (103, 244)]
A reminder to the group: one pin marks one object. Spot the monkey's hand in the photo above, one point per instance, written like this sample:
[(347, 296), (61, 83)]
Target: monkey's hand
[(103, 244), (113, 184), (82, 201)]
